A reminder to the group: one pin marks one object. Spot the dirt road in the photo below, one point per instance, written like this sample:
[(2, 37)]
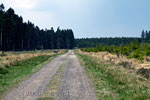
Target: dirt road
[(74, 84)]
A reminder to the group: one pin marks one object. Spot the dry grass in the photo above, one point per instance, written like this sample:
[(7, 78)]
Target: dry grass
[(112, 58), (113, 82), (10, 58), (131, 64)]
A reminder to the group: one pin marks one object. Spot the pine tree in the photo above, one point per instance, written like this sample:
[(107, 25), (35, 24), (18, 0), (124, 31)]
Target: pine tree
[(2, 15), (143, 35), (16, 35)]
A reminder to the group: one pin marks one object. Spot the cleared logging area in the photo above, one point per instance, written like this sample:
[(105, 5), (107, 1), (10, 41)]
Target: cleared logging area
[(113, 82)]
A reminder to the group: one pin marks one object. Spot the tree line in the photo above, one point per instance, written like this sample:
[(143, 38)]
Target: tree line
[(117, 41), (94, 42), (16, 35)]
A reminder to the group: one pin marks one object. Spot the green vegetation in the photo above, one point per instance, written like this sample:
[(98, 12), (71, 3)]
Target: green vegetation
[(132, 50), (11, 75), (11, 58), (114, 82)]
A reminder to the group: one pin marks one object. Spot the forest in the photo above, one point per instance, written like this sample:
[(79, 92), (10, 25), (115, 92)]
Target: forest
[(17, 35), (117, 41), (93, 42)]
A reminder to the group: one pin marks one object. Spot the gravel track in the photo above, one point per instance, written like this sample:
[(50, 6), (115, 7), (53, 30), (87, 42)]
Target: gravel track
[(74, 82)]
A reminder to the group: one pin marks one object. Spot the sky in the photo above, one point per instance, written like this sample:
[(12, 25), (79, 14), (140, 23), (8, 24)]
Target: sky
[(87, 18)]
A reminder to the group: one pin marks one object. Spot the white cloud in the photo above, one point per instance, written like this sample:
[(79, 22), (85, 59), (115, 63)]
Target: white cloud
[(20, 4), (47, 13), (43, 19)]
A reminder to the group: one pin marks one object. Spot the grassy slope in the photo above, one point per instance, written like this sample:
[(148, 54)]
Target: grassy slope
[(114, 83), (10, 76)]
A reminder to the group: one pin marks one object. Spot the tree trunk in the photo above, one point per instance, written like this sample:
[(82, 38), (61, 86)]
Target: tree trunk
[(22, 45), (2, 42)]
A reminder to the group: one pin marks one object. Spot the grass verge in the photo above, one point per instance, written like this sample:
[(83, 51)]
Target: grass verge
[(12, 75), (112, 82)]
